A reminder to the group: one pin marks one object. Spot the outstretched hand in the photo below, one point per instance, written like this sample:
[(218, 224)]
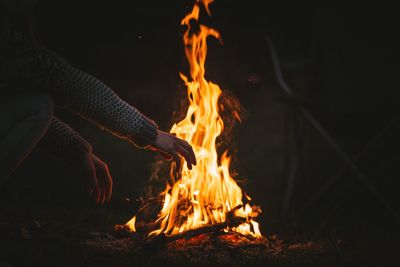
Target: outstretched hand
[(171, 148), (98, 180)]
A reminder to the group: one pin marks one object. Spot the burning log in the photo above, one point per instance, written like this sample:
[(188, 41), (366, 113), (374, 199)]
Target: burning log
[(232, 221), (215, 228)]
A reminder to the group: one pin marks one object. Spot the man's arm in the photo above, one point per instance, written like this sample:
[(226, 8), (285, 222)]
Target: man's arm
[(85, 95), (80, 93), (88, 97)]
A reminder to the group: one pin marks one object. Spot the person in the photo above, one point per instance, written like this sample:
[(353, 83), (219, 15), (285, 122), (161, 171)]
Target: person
[(34, 80)]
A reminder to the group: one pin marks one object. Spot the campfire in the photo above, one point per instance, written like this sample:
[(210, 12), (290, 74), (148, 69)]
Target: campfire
[(202, 217), (206, 196)]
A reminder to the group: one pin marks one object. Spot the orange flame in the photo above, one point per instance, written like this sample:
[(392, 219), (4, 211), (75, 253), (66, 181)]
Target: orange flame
[(207, 193)]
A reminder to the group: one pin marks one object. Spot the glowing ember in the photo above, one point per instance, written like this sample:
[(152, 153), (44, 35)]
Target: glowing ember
[(206, 194)]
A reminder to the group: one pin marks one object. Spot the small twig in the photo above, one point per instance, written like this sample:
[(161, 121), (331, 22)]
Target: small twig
[(207, 229)]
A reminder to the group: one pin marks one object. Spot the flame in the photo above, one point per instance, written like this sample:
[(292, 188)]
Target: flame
[(206, 194), (131, 224)]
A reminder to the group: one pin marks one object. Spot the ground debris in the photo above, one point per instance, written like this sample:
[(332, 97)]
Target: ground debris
[(208, 249)]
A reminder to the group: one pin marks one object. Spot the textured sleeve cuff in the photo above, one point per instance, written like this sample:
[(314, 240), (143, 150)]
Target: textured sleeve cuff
[(147, 134)]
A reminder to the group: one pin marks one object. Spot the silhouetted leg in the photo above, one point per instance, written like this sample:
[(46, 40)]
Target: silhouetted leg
[(24, 119)]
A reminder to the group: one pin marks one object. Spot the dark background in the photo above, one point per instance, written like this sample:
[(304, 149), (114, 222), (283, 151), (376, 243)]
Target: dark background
[(339, 59)]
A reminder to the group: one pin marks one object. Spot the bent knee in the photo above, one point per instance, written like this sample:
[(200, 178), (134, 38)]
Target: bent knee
[(37, 107)]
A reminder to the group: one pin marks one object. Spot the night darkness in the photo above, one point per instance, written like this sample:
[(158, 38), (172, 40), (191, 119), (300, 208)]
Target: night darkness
[(341, 62)]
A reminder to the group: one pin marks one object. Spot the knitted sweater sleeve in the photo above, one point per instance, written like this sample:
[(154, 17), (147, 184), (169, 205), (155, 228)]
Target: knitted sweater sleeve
[(81, 93), (62, 140)]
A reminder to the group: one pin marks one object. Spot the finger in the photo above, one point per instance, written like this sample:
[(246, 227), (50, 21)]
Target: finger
[(104, 180), (193, 156), (108, 184), (103, 184), (186, 155), (92, 180), (189, 148), (96, 189), (102, 190), (99, 192), (177, 160)]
